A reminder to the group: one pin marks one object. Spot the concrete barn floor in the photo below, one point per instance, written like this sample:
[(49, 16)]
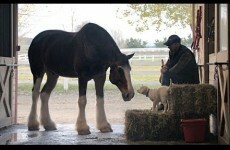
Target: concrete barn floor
[(66, 135), (63, 109)]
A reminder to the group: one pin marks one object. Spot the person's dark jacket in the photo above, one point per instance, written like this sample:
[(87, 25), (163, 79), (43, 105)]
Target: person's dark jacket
[(182, 65)]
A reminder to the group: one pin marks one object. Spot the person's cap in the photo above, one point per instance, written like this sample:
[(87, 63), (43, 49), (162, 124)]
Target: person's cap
[(172, 39)]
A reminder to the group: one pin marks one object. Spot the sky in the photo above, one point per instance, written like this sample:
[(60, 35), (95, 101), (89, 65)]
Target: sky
[(58, 16)]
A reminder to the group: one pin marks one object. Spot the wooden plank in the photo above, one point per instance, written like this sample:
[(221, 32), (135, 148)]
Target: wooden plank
[(5, 90)]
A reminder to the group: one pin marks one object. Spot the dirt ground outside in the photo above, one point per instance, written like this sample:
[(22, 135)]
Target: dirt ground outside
[(64, 107)]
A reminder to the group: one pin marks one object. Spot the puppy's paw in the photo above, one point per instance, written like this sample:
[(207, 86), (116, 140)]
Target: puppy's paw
[(160, 107)]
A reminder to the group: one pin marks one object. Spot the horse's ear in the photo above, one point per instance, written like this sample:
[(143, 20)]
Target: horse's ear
[(130, 55)]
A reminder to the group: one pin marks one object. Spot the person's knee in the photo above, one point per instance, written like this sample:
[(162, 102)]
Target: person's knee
[(165, 80)]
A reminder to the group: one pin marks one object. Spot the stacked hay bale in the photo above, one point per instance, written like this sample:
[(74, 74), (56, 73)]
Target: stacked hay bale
[(193, 100), (185, 101), (147, 125)]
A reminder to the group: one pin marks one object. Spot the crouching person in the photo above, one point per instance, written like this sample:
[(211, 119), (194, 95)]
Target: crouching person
[(181, 66)]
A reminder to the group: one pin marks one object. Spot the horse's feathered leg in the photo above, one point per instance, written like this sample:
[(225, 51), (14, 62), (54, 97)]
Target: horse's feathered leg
[(33, 123), (46, 121), (81, 124), (102, 123)]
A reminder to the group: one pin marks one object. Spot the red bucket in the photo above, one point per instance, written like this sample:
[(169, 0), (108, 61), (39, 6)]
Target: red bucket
[(194, 130)]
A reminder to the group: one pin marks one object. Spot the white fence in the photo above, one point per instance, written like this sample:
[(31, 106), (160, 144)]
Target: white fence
[(131, 50), (24, 57), (150, 57), (140, 55)]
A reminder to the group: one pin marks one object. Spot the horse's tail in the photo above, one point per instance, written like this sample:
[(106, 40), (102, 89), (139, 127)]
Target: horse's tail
[(35, 60)]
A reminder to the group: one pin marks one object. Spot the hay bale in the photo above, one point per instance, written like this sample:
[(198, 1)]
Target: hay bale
[(193, 100), (185, 101), (147, 125)]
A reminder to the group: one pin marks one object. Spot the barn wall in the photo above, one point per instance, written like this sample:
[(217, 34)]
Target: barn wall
[(216, 64), (8, 76)]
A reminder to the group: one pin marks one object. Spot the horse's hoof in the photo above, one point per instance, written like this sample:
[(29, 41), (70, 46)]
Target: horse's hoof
[(83, 132), (33, 128), (106, 129), (49, 128), (82, 128)]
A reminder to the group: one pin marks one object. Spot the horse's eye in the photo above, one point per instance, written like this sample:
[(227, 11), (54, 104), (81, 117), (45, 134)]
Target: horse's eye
[(120, 70)]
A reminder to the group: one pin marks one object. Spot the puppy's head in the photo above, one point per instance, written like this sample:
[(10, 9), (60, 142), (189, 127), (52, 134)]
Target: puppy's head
[(143, 90)]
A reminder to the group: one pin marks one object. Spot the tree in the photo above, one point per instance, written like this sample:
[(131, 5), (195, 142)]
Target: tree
[(135, 43), (159, 43), (187, 41), (24, 13), (144, 16), (73, 22), (118, 38)]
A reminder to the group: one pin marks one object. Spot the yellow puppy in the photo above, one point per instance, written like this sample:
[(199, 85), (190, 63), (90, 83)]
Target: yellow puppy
[(156, 95)]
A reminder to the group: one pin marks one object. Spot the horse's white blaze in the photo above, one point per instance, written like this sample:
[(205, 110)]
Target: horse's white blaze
[(128, 78), (35, 96), (100, 113), (81, 120)]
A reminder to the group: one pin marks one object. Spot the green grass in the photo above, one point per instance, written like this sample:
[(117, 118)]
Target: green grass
[(145, 77), (137, 78), (27, 87), (146, 68)]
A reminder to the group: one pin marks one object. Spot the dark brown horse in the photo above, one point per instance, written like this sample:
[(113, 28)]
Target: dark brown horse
[(85, 55)]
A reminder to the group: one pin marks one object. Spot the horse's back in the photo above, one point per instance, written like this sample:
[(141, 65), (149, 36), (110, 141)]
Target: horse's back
[(91, 41), (66, 53), (50, 36), (49, 48)]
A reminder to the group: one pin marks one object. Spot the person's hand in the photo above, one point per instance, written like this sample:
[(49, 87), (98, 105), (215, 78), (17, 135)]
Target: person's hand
[(163, 69)]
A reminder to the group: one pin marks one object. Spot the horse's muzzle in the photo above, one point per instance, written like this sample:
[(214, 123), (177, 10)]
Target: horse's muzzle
[(128, 96)]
